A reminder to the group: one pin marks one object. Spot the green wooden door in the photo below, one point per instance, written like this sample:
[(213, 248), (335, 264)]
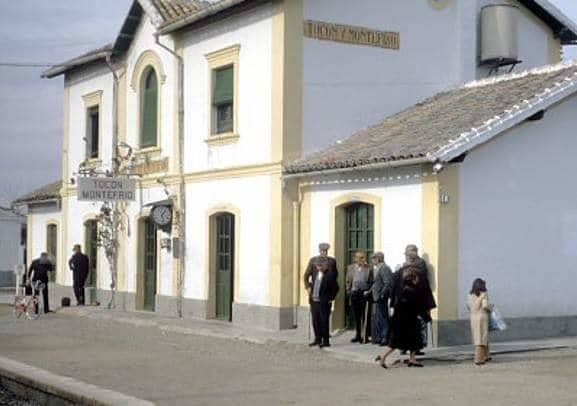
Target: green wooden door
[(224, 265), (360, 234), (149, 265)]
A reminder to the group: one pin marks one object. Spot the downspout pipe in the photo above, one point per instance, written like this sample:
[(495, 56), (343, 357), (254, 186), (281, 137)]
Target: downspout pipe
[(297, 205), (182, 186)]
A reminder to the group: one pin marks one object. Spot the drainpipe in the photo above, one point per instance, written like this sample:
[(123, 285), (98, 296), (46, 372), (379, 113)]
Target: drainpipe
[(297, 255), (182, 187)]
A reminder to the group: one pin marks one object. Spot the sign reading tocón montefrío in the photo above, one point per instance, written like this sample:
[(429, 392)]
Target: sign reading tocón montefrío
[(94, 189), (351, 35)]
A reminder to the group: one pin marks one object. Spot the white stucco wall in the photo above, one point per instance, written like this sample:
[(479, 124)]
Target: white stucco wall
[(401, 212), (39, 219), (518, 217), (10, 248), (253, 32), (144, 41), (348, 87), (251, 196), (82, 84)]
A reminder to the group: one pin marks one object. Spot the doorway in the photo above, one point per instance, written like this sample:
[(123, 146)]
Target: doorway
[(223, 264), (91, 250), (147, 265)]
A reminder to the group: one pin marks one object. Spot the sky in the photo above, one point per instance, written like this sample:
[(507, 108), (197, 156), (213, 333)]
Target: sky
[(47, 32)]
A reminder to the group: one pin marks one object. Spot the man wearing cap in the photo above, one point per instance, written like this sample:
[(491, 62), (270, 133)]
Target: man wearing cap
[(323, 253), (323, 287), (381, 290)]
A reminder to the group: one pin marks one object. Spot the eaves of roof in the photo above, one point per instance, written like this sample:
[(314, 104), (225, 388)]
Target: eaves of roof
[(563, 27), (100, 54)]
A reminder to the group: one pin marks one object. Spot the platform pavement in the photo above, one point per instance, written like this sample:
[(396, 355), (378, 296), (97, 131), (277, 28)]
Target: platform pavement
[(341, 347)]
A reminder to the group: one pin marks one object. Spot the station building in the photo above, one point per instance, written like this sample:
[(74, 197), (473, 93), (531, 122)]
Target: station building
[(272, 126)]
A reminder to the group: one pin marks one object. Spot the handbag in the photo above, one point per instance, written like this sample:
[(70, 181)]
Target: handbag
[(496, 322)]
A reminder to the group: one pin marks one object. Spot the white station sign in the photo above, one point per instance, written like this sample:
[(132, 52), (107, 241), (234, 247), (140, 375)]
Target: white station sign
[(92, 189)]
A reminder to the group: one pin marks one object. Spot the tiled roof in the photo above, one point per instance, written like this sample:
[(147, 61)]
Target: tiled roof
[(46, 192), (172, 10), (91, 56), (449, 120)]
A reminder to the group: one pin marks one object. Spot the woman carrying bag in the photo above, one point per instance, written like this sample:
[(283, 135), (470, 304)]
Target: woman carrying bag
[(480, 309)]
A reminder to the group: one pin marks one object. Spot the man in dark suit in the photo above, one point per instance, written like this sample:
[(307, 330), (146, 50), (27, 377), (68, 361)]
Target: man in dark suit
[(323, 287), (38, 272), (78, 264)]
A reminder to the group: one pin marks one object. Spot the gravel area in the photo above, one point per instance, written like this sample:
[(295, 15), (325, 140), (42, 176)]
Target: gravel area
[(172, 368), (10, 399)]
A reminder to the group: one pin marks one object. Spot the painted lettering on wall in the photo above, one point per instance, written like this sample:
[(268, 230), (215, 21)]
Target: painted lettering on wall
[(351, 35)]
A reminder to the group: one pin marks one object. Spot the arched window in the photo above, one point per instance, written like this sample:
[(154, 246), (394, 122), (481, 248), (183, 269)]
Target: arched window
[(149, 109)]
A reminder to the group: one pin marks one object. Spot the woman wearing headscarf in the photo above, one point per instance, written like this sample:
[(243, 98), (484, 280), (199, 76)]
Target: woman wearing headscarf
[(480, 309), (408, 305)]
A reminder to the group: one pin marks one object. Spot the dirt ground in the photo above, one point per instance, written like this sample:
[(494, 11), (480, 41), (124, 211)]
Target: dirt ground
[(178, 369)]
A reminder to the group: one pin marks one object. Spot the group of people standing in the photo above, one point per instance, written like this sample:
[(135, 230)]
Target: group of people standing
[(374, 291), (41, 268), (390, 309)]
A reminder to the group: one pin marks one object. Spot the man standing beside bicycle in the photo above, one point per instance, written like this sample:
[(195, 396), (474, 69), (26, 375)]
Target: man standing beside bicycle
[(38, 272)]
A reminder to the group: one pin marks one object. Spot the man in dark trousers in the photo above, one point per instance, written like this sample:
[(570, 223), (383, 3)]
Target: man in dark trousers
[(359, 280), (381, 290), (78, 264), (322, 286), (38, 272)]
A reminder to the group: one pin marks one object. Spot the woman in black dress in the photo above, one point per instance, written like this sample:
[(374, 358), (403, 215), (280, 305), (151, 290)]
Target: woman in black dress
[(405, 334)]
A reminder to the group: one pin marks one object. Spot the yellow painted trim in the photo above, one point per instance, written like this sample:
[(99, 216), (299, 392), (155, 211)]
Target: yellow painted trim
[(218, 59), (555, 49), (337, 224), (235, 172), (93, 99), (146, 59), (441, 239), (287, 80), (209, 255), (61, 279), (286, 141), (305, 240), (222, 139)]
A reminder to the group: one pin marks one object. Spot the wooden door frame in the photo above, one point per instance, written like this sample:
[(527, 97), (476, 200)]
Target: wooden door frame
[(210, 258), (337, 230), (140, 246)]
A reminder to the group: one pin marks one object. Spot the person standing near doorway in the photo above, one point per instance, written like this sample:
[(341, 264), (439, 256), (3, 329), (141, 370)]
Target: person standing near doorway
[(323, 253), (79, 265), (414, 261), (322, 286), (381, 290), (38, 272), (359, 280)]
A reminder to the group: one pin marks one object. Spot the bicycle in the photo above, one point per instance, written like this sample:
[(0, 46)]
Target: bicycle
[(27, 304)]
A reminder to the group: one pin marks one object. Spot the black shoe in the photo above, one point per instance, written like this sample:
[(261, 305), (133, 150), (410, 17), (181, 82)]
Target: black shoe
[(419, 353), (314, 344), (323, 345), (382, 344), (356, 340)]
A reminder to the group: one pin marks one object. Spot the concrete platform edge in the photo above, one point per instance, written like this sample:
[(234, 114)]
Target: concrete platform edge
[(59, 390)]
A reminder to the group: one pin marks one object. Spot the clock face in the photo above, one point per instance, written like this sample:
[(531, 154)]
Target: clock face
[(162, 215), (439, 4)]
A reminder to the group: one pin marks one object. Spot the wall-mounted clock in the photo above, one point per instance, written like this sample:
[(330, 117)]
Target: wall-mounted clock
[(162, 216), (439, 4)]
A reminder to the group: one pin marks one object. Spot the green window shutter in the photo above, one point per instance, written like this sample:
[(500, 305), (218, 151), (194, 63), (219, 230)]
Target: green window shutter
[(223, 86), (149, 109)]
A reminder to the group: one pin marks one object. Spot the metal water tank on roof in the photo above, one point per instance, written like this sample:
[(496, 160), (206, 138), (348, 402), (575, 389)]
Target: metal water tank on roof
[(499, 34)]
